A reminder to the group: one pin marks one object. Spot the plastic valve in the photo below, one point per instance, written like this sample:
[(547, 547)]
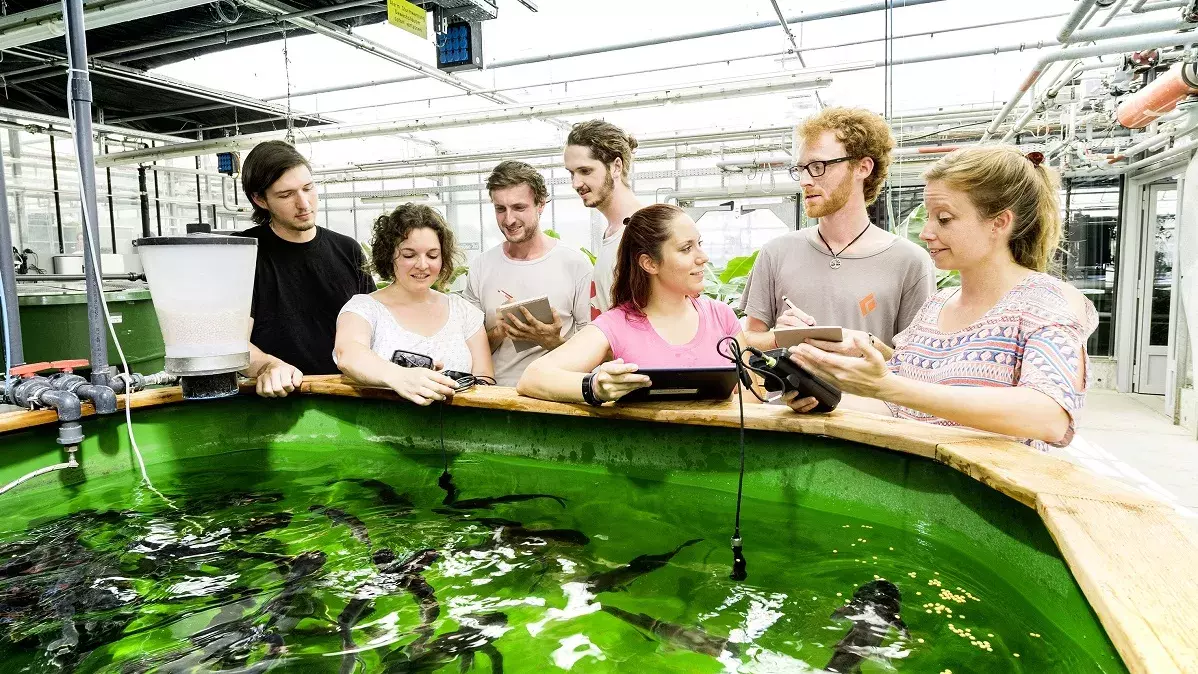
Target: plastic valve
[(29, 369), (69, 366)]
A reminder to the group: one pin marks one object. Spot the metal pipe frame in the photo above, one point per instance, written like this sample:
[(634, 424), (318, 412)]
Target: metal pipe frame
[(569, 107), (16, 347), (45, 23), (1128, 30), (346, 10), (81, 102), (1137, 43)]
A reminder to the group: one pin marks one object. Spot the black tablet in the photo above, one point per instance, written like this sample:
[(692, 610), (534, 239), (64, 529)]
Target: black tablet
[(696, 383)]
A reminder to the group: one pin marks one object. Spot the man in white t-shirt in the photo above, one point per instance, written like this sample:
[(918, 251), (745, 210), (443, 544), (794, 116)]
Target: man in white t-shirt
[(598, 156), (528, 264)]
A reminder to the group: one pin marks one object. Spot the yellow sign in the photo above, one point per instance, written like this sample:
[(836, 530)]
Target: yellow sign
[(405, 15)]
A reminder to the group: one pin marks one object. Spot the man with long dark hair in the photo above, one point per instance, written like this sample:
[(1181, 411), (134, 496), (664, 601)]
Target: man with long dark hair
[(305, 273), (598, 157)]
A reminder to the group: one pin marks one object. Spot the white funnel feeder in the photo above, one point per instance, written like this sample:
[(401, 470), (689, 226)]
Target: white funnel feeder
[(202, 286)]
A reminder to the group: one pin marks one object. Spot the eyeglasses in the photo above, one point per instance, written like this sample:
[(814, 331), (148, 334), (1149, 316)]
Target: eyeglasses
[(815, 168)]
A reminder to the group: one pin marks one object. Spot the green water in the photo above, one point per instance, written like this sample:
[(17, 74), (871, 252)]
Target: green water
[(226, 583)]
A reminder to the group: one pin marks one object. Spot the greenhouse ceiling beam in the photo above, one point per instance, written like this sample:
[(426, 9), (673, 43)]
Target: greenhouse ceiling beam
[(345, 36), (218, 36), (513, 113), (772, 54), (499, 155), (35, 120), (833, 13), (46, 22)]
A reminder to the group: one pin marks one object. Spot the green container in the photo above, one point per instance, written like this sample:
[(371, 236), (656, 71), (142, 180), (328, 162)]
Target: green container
[(320, 436), (54, 327)]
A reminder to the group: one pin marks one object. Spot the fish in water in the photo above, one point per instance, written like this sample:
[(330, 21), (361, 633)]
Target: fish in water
[(356, 526), (485, 503), (619, 578), (489, 502), (477, 634), (508, 530), (386, 493), (394, 575), (689, 638), (874, 609), (228, 642)]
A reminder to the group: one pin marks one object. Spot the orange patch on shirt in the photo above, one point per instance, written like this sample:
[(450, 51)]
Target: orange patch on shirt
[(867, 304)]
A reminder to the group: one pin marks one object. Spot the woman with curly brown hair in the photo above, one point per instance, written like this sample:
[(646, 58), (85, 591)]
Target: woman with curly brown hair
[(414, 249)]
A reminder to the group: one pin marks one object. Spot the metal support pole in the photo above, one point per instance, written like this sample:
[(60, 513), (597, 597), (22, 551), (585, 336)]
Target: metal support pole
[(81, 108), (57, 200), (144, 198), (8, 276)]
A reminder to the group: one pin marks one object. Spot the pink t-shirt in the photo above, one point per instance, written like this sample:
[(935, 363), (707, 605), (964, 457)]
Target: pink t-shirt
[(633, 338)]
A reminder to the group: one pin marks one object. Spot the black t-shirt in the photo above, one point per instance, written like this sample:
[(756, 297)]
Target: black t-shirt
[(298, 290)]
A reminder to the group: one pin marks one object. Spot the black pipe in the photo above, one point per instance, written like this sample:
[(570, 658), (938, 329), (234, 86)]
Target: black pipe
[(157, 203), (200, 194), (144, 197), (8, 276), (59, 278), (81, 109), (57, 202), (111, 208)]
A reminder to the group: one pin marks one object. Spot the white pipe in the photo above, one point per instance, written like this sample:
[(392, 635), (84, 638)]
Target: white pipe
[(1160, 156), (1119, 46), (71, 462), (570, 107), (224, 195), (1075, 19), (1114, 12), (1128, 29)]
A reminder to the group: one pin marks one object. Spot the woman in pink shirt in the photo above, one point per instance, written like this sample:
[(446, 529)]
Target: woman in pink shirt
[(659, 317)]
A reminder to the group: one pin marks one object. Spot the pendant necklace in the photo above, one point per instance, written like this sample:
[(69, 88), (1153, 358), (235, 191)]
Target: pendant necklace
[(835, 263)]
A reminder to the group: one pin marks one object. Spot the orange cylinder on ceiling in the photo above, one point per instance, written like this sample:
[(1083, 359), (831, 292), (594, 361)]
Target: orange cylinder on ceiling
[(1159, 97)]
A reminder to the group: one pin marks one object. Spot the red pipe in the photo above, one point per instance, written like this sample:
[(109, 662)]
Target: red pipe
[(1160, 96)]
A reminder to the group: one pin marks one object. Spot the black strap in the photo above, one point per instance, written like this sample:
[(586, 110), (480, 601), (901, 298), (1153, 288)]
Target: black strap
[(836, 255)]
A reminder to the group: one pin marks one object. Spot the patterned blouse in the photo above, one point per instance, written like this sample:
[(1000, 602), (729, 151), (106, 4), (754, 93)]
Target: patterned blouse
[(1029, 338)]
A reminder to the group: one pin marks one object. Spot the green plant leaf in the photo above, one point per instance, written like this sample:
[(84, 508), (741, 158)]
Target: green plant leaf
[(738, 267), (912, 225), (590, 256), (552, 233)]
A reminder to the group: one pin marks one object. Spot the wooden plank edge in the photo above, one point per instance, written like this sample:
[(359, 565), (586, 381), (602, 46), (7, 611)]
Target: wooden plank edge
[(1141, 647), (17, 421)]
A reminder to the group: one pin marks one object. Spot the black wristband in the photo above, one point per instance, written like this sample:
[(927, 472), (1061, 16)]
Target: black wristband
[(588, 391)]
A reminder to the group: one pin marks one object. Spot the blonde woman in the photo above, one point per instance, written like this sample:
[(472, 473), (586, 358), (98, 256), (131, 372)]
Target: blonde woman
[(1006, 351)]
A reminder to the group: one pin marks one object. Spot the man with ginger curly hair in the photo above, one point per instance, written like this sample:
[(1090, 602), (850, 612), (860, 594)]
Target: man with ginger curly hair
[(845, 271)]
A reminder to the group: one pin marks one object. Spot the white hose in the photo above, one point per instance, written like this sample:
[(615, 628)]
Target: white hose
[(71, 463)]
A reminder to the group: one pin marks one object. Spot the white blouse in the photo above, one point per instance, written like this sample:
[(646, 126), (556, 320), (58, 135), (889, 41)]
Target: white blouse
[(447, 346)]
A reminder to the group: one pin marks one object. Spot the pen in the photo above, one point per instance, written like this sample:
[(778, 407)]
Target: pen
[(784, 299), (507, 295)]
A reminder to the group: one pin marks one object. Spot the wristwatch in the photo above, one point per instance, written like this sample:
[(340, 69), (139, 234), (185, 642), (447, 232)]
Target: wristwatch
[(588, 390)]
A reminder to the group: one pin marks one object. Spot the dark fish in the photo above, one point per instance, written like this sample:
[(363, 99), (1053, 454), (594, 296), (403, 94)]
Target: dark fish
[(463, 644), (492, 501), (232, 640), (508, 530), (618, 579), (386, 493), (451, 490), (692, 639), (394, 575), (874, 609), (356, 526), (262, 524)]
